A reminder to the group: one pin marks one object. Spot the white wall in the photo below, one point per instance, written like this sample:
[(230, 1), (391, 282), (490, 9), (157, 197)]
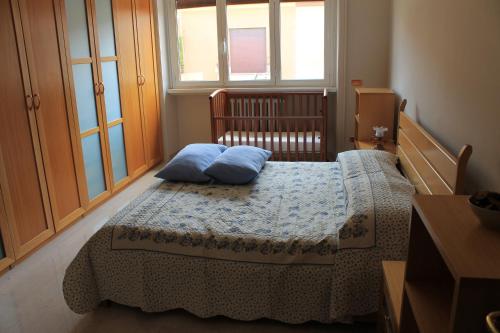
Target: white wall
[(368, 45), (168, 103), (446, 62)]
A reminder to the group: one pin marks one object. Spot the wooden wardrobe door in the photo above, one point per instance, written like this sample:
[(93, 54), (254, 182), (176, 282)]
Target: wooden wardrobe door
[(7, 257), (149, 85), (22, 177), (129, 78), (51, 97)]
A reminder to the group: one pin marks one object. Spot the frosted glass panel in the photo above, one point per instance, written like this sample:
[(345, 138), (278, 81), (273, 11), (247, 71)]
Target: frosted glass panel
[(85, 98), (105, 29), (111, 91), (117, 148), (92, 158), (77, 26)]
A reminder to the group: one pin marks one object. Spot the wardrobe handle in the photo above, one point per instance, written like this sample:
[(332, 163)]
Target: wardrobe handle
[(139, 80), (97, 88), (101, 87), (36, 101), (29, 102), (143, 79)]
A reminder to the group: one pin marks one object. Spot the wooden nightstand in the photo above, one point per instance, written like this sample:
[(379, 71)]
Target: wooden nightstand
[(388, 146), (374, 107), (452, 276)]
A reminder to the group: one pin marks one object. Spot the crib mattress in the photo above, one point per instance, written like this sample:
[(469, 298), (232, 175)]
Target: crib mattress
[(266, 140)]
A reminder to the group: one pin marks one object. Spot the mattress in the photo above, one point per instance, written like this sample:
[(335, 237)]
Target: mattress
[(265, 140), (317, 254)]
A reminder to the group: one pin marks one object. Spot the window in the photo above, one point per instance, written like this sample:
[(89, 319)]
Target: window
[(197, 41), (267, 43)]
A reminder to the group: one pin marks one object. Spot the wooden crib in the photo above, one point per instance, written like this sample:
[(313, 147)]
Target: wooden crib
[(292, 124)]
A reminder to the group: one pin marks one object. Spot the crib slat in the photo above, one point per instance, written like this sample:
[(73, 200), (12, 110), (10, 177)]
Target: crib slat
[(288, 139), (262, 122), (304, 140), (313, 140), (247, 130), (280, 139), (296, 140), (271, 106)]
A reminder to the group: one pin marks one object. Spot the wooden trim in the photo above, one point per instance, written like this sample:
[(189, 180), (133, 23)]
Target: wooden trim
[(112, 58), (138, 64), (6, 235), (115, 122), (81, 61), (432, 168), (70, 107), (69, 219), (90, 132), (156, 70), (100, 102)]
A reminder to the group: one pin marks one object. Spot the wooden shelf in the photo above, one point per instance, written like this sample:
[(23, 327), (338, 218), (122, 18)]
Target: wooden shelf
[(452, 276), (368, 145), (464, 244), (431, 304)]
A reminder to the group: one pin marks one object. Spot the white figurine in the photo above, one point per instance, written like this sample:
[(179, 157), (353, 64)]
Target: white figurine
[(380, 131)]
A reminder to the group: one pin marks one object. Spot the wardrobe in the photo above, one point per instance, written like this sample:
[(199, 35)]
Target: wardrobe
[(79, 111)]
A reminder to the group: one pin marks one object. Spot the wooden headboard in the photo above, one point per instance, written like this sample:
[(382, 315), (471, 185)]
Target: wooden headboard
[(426, 163)]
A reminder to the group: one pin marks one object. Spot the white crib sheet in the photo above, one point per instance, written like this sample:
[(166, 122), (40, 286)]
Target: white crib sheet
[(264, 140)]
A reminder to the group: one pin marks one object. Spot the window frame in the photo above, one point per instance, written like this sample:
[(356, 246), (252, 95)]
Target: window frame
[(275, 81)]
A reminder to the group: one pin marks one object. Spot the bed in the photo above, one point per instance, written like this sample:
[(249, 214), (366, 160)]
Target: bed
[(303, 242)]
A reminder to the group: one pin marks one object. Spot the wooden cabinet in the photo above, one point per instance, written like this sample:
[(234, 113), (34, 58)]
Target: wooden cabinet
[(374, 107), (79, 117), (22, 174), (452, 276), (113, 74)]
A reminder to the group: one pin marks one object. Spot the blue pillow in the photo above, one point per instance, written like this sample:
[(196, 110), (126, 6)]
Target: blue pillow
[(188, 165), (238, 165)]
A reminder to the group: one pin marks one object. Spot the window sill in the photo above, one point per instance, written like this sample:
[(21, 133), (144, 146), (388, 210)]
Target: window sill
[(208, 91)]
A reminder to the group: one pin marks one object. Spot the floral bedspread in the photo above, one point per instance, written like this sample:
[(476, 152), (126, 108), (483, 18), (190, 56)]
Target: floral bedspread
[(291, 213), (348, 285)]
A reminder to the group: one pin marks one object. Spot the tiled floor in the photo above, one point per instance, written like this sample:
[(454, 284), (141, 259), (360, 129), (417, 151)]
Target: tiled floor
[(31, 298)]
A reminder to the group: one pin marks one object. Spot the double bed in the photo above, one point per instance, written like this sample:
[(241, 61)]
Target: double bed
[(303, 241)]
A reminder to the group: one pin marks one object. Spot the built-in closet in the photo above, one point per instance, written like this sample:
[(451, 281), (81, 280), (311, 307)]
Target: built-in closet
[(79, 112)]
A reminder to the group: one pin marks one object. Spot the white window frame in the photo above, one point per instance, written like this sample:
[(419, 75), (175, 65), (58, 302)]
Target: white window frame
[(330, 49)]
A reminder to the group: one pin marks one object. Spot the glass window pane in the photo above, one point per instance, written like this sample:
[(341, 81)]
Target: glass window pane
[(111, 90), (91, 146), (77, 27), (302, 27), (85, 97), (104, 14), (197, 40), (248, 34), (117, 148)]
